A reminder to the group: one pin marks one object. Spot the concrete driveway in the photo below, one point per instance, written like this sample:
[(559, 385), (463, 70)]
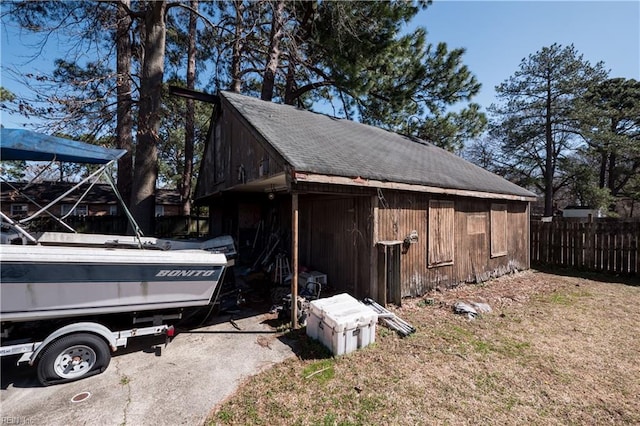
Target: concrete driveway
[(193, 374)]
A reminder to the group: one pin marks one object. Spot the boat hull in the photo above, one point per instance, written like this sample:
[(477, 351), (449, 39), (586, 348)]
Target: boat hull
[(40, 282)]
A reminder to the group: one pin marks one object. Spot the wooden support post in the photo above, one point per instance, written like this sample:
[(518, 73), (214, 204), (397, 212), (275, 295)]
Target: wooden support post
[(294, 260), (528, 245)]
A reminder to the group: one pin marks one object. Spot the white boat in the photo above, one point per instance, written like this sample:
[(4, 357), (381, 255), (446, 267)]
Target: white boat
[(45, 282), (57, 275)]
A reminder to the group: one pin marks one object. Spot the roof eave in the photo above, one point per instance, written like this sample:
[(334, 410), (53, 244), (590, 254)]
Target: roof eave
[(372, 183)]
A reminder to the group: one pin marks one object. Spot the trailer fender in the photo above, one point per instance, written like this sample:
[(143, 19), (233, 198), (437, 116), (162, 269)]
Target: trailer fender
[(86, 327)]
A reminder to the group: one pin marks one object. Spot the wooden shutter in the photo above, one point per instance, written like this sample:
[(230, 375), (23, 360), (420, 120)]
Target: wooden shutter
[(498, 230), (441, 233)]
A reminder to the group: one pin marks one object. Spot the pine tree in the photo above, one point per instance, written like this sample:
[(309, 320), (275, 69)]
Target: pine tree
[(610, 112), (536, 120)]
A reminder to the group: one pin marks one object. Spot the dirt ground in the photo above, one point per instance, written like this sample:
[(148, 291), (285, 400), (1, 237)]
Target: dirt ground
[(555, 349)]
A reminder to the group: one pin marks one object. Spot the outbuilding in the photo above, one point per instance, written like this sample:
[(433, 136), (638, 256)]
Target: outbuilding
[(381, 214)]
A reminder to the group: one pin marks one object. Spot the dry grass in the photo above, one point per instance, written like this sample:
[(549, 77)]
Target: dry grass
[(555, 350)]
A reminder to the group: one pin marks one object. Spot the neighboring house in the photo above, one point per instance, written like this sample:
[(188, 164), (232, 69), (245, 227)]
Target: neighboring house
[(383, 215), (168, 202), (581, 212), (19, 200)]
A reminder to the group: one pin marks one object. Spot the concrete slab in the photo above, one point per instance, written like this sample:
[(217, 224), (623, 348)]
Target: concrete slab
[(194, 373)]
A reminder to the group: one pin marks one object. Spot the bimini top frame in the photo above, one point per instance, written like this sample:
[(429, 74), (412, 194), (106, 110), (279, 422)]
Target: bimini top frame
[(26, 145)]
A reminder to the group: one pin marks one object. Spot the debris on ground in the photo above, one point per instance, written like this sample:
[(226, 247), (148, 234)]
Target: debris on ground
[(389, 319), (471, 309)]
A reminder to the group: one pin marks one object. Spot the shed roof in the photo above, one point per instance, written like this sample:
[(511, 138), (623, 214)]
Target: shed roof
[(317, 143)]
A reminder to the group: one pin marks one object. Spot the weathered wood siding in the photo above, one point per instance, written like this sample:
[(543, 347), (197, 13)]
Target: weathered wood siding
[(441, 240), (235, 154), (335, 238), (338, 231), (401, 213)]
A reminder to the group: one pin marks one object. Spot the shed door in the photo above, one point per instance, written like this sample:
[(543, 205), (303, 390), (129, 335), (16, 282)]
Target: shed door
[(333, 250)]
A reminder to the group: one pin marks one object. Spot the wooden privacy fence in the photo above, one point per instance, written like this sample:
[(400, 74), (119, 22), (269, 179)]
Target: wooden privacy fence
[(600, 245), (181, 226), (164, 226)]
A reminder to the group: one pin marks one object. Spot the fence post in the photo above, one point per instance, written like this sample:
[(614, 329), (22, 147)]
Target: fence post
[(534, 240), (626, 239), (544, 243), (634, 256)]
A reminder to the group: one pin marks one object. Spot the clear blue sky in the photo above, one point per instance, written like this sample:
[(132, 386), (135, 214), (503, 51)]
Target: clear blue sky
[(497, 35)]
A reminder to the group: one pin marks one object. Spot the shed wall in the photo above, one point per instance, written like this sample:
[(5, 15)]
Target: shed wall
[(401, 213), (337, 235), (235, 154), (335, 238), (339, 225)]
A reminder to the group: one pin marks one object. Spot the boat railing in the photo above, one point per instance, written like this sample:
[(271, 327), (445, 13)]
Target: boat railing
[(12, 225)]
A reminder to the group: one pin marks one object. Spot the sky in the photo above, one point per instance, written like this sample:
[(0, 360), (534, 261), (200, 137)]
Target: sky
[(497, 35)]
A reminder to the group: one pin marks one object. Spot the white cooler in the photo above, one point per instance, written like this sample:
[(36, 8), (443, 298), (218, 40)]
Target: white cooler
[(341, 323)]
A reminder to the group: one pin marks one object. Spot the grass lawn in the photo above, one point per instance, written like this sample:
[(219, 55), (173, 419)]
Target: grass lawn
[(554, 350)]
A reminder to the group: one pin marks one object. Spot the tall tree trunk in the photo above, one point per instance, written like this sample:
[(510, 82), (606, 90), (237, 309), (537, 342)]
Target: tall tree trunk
[(301, 33), (548, 166), (236, 56), (269, 77), (603, 167), (613, 172), (290, 84), (124, 115), (189, 138), (146, 158), (611, 181)]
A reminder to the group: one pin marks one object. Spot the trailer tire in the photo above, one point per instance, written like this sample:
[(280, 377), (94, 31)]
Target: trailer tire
[(73, 357)]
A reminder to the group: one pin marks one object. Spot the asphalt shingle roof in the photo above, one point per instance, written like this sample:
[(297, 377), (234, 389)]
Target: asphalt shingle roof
[(317, 143)]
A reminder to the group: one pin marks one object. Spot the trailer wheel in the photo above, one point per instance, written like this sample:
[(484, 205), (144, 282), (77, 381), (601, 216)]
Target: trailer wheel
[(73, 357)]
